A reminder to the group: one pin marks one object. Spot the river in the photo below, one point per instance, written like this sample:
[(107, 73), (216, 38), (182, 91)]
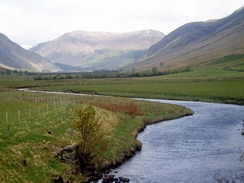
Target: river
[(189, 149)]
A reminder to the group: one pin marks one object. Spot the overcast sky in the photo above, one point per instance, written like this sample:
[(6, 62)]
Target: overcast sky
[(29, 22)]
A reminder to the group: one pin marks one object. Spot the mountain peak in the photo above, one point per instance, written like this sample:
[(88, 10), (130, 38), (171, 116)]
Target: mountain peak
[(79, 47), (196, 42)]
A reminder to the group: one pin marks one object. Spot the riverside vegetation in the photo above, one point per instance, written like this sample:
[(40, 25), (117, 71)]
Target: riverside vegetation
[(38, 125)]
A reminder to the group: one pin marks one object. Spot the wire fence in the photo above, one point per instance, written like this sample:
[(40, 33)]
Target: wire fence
[(33, 112), (48, 115)]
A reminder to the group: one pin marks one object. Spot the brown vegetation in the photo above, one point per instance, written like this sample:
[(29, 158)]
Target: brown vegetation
[(132, 108)]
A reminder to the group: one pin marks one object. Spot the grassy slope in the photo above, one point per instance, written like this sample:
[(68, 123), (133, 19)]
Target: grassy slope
[(231, 62), (111, 59), (36, 137)]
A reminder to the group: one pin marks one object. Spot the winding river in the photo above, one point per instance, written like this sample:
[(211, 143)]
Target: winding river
[(189, 149)]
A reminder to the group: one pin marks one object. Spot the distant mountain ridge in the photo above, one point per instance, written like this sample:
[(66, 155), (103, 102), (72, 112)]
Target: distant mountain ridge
[(98, 50), (13, 56), (195, 43)]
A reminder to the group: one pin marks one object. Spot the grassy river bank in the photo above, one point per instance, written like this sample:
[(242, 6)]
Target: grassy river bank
[(34, 126)]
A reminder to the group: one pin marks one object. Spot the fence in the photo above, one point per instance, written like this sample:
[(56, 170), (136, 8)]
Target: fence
[(25, 114), (29, 118)]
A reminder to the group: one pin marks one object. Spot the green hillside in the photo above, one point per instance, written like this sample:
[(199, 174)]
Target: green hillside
[(108, 59), (230, 62), (218, 43)]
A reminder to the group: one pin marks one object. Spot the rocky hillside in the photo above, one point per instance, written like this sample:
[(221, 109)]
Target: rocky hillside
[(98, 50), (196, 43), (13, 56)]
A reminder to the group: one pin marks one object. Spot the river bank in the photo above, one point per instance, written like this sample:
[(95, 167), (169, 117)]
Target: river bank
[(189, 149), (108, 173), (44, 127)]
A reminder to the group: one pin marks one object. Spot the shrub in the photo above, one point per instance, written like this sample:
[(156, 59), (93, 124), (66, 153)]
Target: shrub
[(94, 141)]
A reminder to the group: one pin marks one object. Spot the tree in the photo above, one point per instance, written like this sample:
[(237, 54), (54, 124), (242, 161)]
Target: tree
[(94, 141), (38, 77), (20, 72), (15, 72), (155, 71), (8, 72)]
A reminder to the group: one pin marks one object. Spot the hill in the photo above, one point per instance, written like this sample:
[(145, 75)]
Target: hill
[(98, 50), (13, 56), (195, 44)]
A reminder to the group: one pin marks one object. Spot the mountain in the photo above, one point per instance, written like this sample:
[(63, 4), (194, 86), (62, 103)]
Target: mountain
[(37, 47), (98, 50), (65, 67), (196, 44), (13, 56)]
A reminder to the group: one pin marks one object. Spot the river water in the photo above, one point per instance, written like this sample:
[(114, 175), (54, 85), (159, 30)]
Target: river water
[(189, 149)]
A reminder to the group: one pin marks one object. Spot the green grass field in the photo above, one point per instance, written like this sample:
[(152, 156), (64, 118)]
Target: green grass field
[(212, 85)]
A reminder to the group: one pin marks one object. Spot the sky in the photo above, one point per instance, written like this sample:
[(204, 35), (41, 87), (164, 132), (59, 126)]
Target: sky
[(29, 22)]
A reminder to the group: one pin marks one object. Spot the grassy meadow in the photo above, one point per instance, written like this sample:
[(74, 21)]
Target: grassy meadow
[(201, 84)]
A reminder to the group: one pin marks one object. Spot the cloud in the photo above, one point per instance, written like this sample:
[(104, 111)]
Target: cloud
[(31, 22)]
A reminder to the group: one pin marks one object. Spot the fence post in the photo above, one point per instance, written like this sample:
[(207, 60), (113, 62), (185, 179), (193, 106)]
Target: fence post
[(19, 115), (6, 117), (8, 130), (8, 124), (47, 108), (39, 110), (54, 105), (29, 112), (26, 126)]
